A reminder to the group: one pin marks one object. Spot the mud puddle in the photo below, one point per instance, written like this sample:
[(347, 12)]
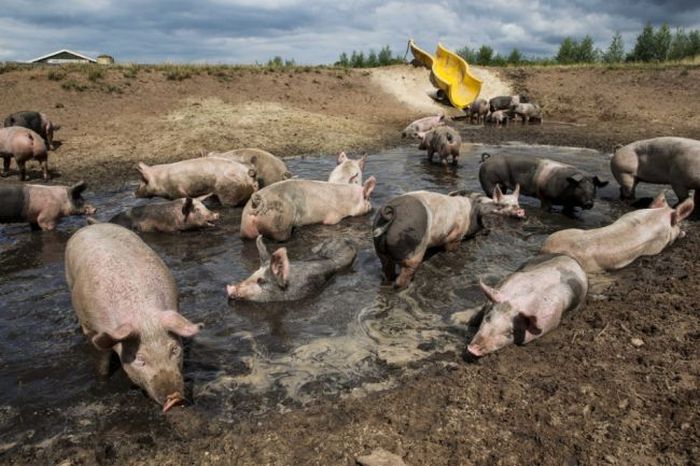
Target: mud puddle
[(353, 338)]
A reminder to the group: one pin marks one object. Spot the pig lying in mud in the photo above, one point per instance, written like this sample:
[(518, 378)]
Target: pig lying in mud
[(418, 128), (37, 122), (644, 232), (167, 217), (408, 225), (445, 141), (505, 102), (275, 210), (665, 160), (529, 303), (278, 279), (552, 182), (269, 169), (479, 109), (348, 170), (126, 301), (231, 182), (23, 145), (42, 206), (528, 113)]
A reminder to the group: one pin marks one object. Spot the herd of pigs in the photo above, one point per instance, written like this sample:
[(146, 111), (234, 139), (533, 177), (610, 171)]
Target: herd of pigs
[(126, 299)]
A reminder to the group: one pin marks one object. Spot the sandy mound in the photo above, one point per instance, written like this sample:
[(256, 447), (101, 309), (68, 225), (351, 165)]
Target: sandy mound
[(411, 86)]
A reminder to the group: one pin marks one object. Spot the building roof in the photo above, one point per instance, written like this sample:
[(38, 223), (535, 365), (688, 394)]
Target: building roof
[(57, 52)]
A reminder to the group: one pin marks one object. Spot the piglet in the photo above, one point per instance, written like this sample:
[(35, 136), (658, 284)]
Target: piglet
[(529, 303), (278, 279), (42, 206), (348, 171), (126, 301)]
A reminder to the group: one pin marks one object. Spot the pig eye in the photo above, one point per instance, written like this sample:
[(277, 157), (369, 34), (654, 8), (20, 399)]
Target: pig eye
[(139, 360), (261, 281)]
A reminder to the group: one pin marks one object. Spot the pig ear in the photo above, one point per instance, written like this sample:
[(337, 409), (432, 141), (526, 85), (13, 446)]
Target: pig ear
[(516, 192), (368, 187), (497, 194), (575, 179), (659, 201), (262, 251), (682, 211), (530, 323), (205, 197), (187, 207), (176, 323), (143, 169), (252, 172), (106, 340), (342, 157), (77, 189), (362, 161), (492, 294), (598, 182), (279, 265), (254, 160)]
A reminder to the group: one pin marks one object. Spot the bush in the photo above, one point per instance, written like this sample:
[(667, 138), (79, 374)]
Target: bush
[(55, 75), (95, 74)]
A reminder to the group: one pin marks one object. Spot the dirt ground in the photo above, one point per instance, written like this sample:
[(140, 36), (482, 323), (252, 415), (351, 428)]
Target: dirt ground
[(584, 394)]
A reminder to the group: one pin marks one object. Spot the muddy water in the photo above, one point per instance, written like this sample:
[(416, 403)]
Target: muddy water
[(251, 358)]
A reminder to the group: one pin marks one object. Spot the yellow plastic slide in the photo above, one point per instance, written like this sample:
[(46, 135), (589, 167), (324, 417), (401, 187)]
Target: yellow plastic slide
[(450, 73)]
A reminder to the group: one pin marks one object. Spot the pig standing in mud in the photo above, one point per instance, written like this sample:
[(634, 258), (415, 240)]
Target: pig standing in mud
[(42, 206), (37, 122), (348, 170), (497, 118), (23, 144), (665, 160), (505, 102), (275, 210), (278, 279), (168, 217), (126, 301), (418, 128), (269, 169), (445, 141), (231, 182), (529, 303), (529, 113), (479, 109), (552, 182), (408, 225), (644, 232)]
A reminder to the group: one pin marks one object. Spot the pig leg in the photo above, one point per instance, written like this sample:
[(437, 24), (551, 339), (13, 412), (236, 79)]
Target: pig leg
[(5, 165), (22, 171), (408, 269), (388, 267), (45, 169), (430, 154), (453, 240), (681, 192), (49, 136), (46, 222), (332, 218), (628, 184)]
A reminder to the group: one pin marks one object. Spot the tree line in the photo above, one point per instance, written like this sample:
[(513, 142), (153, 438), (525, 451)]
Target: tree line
[(358, 59)]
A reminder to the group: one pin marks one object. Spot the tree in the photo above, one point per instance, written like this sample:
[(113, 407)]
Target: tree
[(662, 43), (372, 61), (585, 52), (616, 50), (468, 54), (343, 60), (357, 60), (567, 51), (680, 45), (515, 57), (385, 56), (484, 55), (694, 47), (645, 48)]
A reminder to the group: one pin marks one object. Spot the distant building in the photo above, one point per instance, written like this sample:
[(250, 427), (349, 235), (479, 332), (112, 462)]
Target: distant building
[(63, 56), (105, 59)]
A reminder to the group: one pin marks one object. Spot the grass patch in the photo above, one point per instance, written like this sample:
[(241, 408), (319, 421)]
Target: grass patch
[(55, 75), (72, 85), (95, 74)]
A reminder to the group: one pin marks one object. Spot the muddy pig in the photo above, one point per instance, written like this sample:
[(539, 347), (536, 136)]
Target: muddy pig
[(269, 169), (231, 182), (665, 160), (445, 141), (278, 279), (497, 118), (408, 225), (505, 102), (23, 144), (348, 170), (529, 303), (126, 301), (479, 108), (529, 113), (275, 210), (168, 217), (418, 128), (552, 182), (42, 206), (37, 122), (644, 232)]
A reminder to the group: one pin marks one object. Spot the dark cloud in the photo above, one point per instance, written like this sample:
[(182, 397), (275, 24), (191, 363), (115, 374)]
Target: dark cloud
[(245, 31)]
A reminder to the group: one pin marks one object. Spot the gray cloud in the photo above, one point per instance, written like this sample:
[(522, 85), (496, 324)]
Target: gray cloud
[(245, 31)]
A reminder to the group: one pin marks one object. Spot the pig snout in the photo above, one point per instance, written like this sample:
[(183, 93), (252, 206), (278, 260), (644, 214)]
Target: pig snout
[(242, 291), (232, 292), (519, 213), (173, 400), (588, 205), (249, 229), (472, 353), (89, 209)]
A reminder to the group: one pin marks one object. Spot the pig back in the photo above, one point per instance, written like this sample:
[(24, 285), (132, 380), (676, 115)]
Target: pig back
[(270, 169), (115, 277), (401, 227)]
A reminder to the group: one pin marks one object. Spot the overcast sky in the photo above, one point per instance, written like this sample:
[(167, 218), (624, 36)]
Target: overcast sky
[(315, 32)]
